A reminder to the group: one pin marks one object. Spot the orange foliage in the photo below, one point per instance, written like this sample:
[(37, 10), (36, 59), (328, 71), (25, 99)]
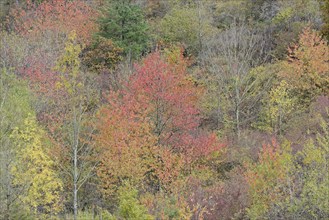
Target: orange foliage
[(307, 67), (173, 98), (59, 16), (149, 131), (124, 138)]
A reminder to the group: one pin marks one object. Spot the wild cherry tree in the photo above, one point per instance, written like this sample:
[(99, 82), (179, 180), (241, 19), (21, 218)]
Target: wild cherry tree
[(173, 98), (149, 131), (124, 141)]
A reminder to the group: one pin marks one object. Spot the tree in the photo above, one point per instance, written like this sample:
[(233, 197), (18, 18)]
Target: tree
[(173, 98), (71, 129), (148, 133), (186, 25), (12, 50), (34, 171), (262, 10), (291, 185), (124, 141), (306, 69), (15, 107), (129, 206), (228, 12), (58, 16), (325, 15), (267, 177), (278, 107), (124, 23), (311, 170), (230, 57), (101, 56)]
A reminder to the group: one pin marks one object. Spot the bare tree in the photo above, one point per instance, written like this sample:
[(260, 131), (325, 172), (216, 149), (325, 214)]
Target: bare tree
[(229, 57)]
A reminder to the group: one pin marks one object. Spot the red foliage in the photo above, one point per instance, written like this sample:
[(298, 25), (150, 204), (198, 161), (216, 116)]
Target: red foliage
[(150, 129), (124, 141), (56, 15), (172, 98)]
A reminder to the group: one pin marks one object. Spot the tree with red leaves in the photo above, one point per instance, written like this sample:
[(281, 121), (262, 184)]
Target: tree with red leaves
[(149, 131), (58, 16), (173, 98)]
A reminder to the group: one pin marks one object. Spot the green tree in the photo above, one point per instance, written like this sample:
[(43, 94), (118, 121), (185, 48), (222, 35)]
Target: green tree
[(14, 108), (267, 177), (312, 171), (124, 23), (325, 16), (129, 206), (187, 25)]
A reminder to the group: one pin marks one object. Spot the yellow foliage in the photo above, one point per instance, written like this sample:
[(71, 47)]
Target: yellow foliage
[(280, 105), (69, 65), (34, 170)]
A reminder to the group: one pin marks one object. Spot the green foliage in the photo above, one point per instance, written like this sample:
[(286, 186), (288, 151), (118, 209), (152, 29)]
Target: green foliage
[(228, 12), (87, 215), (15, 98), (12, 50), (325, 16), (129, 206), (102, 55), (125, 25), (278, 106), (187, 26), (167, 206), (267, 177), (283, 15), (314, 174), (15, 106), (292, 185)]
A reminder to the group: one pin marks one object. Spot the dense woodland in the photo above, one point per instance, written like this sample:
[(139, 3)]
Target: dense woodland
[(164, 109)]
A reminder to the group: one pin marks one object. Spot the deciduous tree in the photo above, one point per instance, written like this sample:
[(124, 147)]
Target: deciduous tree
[(173, 98), (15, 106), (306, 69), (58, 16), (267, 177), (34, 171), (73, 131)]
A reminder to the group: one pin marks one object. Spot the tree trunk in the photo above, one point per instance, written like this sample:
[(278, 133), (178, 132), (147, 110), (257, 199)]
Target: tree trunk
[(75, 182), (75, 164)]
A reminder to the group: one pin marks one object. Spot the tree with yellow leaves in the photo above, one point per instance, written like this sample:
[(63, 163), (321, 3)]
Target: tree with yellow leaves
[(280, 105), (34, 170), (73, 133)]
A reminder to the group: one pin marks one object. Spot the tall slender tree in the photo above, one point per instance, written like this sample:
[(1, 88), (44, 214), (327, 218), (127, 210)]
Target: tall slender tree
[(73, 133)]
